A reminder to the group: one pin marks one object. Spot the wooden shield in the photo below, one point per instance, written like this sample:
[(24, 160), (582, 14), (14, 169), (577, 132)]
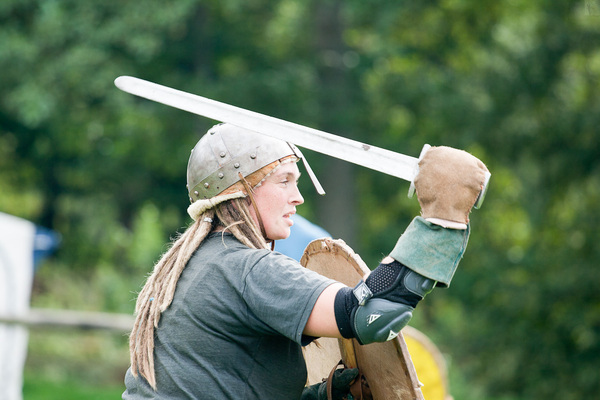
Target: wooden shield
[(387, 366)]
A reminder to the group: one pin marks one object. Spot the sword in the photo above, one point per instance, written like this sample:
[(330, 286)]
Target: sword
[(372, 157)]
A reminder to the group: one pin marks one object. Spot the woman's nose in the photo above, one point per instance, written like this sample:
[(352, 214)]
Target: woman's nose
[(297, 197)]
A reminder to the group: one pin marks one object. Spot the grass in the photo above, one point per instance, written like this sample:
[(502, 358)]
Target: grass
[(42, 388)]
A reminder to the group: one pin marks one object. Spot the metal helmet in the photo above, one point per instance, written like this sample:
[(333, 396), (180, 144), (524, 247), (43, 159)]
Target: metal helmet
[(227, 150)]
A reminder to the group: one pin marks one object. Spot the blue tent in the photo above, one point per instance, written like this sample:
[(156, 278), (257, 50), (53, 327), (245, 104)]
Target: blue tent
[(302, 233)]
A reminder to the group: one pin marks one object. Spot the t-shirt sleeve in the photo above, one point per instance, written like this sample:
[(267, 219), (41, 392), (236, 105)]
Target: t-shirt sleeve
[(281, 294)]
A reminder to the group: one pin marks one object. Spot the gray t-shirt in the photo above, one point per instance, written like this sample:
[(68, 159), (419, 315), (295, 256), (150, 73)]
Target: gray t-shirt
[(234, 328)]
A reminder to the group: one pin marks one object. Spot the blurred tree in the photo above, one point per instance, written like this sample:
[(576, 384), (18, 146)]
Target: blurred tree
[(515, 83), (518, 85), (87, 154)]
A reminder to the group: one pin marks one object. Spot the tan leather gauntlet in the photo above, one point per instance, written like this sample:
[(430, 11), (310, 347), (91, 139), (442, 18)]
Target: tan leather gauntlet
[(448, 183)]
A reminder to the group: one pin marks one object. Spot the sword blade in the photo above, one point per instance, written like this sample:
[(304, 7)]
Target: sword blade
[(372, 157)]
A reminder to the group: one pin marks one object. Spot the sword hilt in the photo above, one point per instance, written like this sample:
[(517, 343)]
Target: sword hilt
[(411, 189)]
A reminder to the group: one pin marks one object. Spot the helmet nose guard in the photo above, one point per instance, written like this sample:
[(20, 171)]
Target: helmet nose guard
[(227, 150)]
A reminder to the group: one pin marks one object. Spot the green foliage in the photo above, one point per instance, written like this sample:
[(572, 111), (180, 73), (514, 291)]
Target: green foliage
[(515, 83)]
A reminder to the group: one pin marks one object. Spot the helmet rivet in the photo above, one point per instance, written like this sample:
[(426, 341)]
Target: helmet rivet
[(206, 185), (196, 192), (222, 154), (236, 165), (253, 156), (221, 175)]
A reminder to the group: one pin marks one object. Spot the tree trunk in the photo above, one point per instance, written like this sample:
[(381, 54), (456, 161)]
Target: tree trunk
[(337, 210)]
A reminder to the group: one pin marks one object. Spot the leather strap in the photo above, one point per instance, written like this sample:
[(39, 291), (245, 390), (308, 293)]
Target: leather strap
[(360, 389), (330, 380), (250, 192)]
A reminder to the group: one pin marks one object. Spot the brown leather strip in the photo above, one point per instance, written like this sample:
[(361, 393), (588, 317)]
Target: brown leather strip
[(359, 389), (251, 195), (330, 381)]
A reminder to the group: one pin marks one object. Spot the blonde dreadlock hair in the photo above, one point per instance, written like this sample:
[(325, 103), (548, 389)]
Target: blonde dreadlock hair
[(215, 203), (157, 294)]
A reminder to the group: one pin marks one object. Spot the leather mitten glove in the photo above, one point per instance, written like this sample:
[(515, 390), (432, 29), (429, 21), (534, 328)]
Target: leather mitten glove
[(382, 304), (449, 183), (427, 254), (340, 385)]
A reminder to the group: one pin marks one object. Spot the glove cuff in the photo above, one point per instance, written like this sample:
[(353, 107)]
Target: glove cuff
[(344, 305), (431, 250)]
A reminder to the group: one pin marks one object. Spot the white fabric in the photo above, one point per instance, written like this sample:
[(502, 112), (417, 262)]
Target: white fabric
[(197, 208), (16, 276), (447, 224)]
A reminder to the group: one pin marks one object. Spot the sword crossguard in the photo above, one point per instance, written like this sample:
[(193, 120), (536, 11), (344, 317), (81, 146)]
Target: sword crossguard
[(411, 189)]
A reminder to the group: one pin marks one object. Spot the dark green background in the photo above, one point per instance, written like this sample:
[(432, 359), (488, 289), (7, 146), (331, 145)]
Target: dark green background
[(515, 83)]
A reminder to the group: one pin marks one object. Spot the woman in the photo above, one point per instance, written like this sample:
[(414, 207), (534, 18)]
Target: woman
[(223, 316)]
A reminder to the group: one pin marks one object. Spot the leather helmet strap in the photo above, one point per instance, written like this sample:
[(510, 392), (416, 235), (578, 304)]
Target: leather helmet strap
[(250, 192)]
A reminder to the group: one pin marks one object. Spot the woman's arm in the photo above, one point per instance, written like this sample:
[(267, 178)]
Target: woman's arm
[(321, 322)]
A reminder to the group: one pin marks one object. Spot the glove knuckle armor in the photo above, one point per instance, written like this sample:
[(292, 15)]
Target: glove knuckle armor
[(380, 320)]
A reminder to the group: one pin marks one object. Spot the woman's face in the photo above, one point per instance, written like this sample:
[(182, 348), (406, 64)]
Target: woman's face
[(276, 199)]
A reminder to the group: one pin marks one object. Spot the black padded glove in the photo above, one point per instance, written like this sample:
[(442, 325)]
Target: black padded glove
[(377, 308), (340, 385)]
